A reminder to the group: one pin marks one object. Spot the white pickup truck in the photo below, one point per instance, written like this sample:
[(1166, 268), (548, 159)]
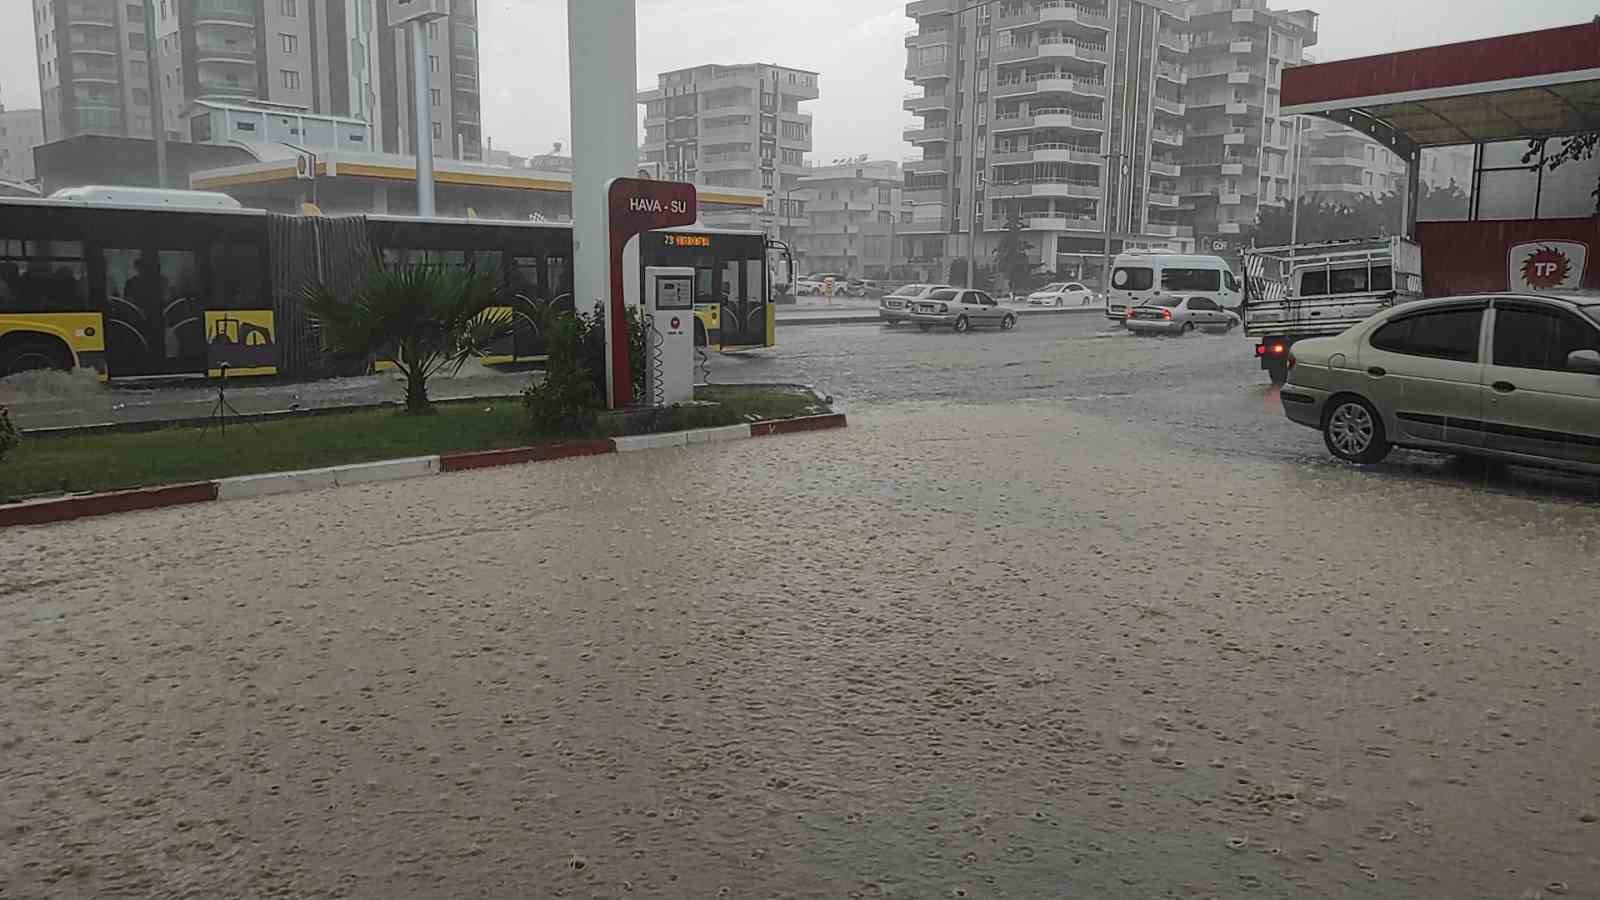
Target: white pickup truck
[(1315, 290)]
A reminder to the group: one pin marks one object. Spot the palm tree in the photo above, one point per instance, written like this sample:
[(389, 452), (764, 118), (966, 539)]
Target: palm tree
[(423, 319)]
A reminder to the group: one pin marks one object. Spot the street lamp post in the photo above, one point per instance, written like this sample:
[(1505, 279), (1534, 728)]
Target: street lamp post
[(418, 15), (1105, 213)]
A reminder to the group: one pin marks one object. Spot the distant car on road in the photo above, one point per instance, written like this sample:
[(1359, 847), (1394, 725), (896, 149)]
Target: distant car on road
[(1510, 377), (896, 307), (1063, 293), (806, 287), (962, 310), (1179, 315)]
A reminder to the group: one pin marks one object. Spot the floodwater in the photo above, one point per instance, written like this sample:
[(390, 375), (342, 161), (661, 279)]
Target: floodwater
[(961, 649)]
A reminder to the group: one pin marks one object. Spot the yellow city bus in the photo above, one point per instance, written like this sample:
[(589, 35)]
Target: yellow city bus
[(133, 289)]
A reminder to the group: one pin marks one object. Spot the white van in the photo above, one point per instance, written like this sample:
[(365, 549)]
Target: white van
[(1140, 277)]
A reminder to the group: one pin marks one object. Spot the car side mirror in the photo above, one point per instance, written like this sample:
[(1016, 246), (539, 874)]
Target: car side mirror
[(1587, 361)]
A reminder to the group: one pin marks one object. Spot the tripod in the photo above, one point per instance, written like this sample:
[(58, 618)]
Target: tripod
[(222, 408)]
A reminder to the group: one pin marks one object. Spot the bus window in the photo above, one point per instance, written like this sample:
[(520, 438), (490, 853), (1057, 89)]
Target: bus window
[(731, 291), (523, 277), (558, 270), (43, 276), (236, 278), (1183, 281), (754, 283), (705, 286), (488, 262), (152, 305)]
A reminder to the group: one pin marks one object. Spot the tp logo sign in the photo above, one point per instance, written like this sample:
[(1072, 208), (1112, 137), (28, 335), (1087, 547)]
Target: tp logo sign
[(1547, 265)]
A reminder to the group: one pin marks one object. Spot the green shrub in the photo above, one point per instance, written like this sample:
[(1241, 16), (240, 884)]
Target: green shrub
[(8, 433), (574, 387)]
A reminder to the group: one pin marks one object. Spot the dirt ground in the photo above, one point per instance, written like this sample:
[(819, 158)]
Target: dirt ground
[(953, 651)]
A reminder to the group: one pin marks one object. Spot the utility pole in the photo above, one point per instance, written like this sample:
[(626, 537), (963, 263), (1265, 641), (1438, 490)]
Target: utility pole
[(158, 109), (972, 158), (1105, 213), (422, 119)]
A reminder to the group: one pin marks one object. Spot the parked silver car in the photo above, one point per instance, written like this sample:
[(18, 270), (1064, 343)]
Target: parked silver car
[(962, 310), (1513, 377), (1179, 315), (896, 307)]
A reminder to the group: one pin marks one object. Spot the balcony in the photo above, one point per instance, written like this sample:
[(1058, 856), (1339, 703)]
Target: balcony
[(1052, 12), (1170, 138), (224, 12), (1054, 48), (927, 166), (925, 195), (1244, 16), (1047, 118), (917, 103), (1052, 82), (1169, 106), (919, 39), (1163, 167), (223, 53), (1226, 198), (1172, 40), (1162, 229), (1241, 46), (1061, 221), (1236, 138), (728, 131), (91, 15), (1172, 73), (922, 8), (711, 162), (1229, 227), (1073, 153), (927, 135), (1242, 76), (928, 71), (1159, 198), (1045, 187), (221, 87), (1238, 109)]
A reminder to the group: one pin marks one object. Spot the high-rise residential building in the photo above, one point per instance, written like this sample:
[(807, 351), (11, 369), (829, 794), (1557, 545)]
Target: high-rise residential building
[(326, 57), (21, 130), (1078, 113), (1237, 147), (1339, 164), (734, 126), (850, 214)]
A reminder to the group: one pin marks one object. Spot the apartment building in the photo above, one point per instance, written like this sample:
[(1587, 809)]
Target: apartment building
[(325, 57), (1078, 115), (1237, 152), (21, 130), (1339, 164), (850, 214), (736, 126)]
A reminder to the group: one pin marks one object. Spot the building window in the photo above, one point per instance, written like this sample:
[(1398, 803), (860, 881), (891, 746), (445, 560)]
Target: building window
[(433, 31), (137, 42), (290, 8), (437, 131), (435, 93), (291, 43), (433, 63), (141, 97), (291, 79)]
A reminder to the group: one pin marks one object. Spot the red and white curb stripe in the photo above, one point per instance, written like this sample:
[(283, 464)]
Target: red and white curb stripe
[(61, 509)]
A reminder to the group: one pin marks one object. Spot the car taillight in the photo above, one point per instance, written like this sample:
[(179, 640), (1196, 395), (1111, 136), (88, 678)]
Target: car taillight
[(1279, 349), (1261, 350), (1166, 314), (944, 307)]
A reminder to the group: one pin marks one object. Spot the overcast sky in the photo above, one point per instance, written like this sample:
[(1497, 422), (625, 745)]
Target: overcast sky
[(856, 45)]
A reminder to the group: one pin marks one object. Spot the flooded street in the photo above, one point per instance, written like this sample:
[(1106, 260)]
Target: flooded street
[(1062, 613)]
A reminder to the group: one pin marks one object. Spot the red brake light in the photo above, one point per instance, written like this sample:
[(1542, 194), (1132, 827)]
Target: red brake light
[(1278, 349), (1166, 314), (1261, 349)]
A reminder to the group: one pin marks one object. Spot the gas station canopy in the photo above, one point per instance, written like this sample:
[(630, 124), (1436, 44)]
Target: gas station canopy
[(1514, 87)]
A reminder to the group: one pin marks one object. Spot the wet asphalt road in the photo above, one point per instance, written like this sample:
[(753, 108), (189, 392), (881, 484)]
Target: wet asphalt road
[(1063, 613)]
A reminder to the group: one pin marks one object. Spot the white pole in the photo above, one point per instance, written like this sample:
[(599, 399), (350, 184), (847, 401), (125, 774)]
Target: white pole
[(602, 45), (423, 117)]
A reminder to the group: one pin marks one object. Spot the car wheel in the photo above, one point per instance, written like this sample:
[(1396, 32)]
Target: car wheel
[(922, 328), (1354, 432), (962, 325), (1278, 371), (1188, 328), (1008, 323)]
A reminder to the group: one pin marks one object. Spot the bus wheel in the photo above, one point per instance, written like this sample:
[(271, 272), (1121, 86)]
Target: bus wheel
[(28, 353)]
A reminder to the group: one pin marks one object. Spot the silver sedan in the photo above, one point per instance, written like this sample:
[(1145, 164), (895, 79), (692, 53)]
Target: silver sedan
[(1512, 377), (1179, 315), (962, 310)]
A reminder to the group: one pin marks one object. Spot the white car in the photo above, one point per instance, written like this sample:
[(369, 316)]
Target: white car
[(896, 307), (1064, 293), (806, 287), (961, 311)]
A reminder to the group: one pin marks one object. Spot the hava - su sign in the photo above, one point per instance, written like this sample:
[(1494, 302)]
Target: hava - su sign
[(634, 206)]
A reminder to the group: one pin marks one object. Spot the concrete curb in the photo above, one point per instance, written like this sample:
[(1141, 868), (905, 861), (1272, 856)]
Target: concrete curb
[(62, 509), (871, 318)]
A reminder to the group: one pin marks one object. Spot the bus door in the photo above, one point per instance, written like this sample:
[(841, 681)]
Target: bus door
[(742, 291), (154, 312)]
